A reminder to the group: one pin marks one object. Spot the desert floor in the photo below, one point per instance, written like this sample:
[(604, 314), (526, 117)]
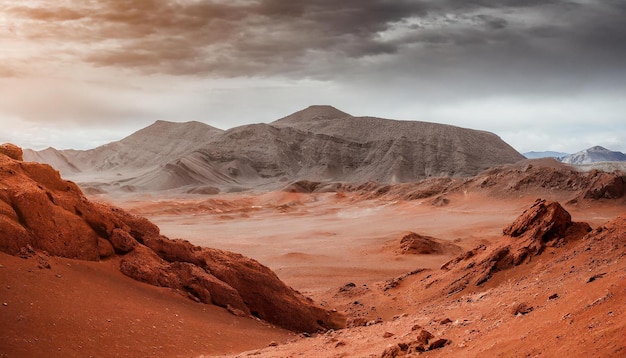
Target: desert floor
[(316, 243)]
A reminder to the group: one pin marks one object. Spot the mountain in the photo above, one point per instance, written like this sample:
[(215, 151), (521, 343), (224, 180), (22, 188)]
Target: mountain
[(546, 154), (594, 155), (318, 143), (315, 112), (156, 144), (53, 157)]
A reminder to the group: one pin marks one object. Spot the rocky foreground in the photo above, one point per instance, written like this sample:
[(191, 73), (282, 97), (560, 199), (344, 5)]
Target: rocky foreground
[(40, 212)]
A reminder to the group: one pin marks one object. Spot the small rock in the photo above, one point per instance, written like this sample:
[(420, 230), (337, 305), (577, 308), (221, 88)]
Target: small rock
[(58, 275), (5, 304), (595, 277), (391, 352), (445, 321), (388, 335), (554, 296), (440, 343), (357, 322), (43, 263), (423, 336), (522, 309), (373, 322), (347, 287), (273, 344), (235, 311), (340, 344), (416, 327)]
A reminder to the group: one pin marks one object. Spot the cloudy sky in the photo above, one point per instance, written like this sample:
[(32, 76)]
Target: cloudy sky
[(542, 74)]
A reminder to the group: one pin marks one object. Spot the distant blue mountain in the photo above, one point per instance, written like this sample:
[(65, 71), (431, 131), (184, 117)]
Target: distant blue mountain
[(547, 154)]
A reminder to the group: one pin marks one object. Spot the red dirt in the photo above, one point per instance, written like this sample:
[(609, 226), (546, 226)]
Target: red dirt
[(82, 308)]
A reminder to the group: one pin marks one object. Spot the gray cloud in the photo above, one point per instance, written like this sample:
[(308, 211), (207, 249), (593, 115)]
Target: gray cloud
[(390, 58), (271, 37)]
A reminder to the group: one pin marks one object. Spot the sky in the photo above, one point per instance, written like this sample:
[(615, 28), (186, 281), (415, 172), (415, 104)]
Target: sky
[(541, 74)]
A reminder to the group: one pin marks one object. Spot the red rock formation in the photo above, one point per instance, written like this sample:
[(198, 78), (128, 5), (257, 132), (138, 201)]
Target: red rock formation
[(40, 210), (543, 224), (605, 186), (413, 243), (12, 151)]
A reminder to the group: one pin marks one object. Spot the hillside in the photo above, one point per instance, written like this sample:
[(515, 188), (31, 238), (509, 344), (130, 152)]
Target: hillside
[(319, 143)]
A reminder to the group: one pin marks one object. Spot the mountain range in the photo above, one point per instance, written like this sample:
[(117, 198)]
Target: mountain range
[(546, 154), (318, 143)]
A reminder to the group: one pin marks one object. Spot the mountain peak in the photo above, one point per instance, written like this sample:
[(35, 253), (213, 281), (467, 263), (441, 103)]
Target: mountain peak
[(598, 148), (314, 112), (173, 130), (594, 155)]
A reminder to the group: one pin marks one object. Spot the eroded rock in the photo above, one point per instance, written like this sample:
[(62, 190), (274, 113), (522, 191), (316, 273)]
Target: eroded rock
[(12, 151), (543, 224)]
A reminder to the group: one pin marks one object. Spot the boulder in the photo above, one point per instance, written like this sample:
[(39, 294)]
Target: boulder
[(542, 221)]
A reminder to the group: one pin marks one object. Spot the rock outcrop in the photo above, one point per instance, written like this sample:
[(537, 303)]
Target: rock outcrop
[(39, 210), (605, 185), (416, 244), (12, 151), (544, 224)]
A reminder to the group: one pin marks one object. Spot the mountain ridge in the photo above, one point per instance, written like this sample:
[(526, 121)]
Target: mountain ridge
[(544, 154), (318, 143)]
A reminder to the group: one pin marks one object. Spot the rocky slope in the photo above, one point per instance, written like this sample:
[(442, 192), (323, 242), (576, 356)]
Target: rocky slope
[(41, 212), (319, 143)]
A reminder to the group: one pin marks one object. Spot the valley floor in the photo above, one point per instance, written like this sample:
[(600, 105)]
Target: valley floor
[(342, 251)]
